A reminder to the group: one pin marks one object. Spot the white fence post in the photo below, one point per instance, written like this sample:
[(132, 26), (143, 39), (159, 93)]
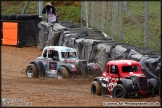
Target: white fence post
[(25, 6), (103, 15), (92, 14), (146, 24), (86, 13), (121, 21), (40, 7)]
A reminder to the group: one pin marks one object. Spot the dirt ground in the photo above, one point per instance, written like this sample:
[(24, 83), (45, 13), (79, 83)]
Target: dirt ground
[(73, 92)]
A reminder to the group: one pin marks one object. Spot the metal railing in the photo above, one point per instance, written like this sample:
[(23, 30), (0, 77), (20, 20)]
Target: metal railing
[(134, 22)]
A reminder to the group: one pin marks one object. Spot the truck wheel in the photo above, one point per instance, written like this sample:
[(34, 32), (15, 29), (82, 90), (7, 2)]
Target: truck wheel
[(42, 69), (119, 91), (95, 88), (32, 71), (62, 72)]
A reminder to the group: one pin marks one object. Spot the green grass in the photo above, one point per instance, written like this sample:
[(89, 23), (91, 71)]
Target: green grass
[(16, 7), (70, 13), (131, 32)]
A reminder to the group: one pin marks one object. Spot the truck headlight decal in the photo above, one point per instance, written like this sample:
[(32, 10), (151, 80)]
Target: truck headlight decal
[(95, 67), (73, 68)]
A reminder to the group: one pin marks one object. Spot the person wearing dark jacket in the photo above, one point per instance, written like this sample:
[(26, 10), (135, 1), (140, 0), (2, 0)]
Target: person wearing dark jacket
[(47, 9)]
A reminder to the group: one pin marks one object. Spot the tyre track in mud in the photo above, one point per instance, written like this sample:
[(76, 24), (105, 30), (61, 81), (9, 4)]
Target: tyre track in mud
[(47, 92)]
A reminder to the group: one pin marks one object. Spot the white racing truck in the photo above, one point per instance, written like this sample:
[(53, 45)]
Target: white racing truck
[(60, 62)]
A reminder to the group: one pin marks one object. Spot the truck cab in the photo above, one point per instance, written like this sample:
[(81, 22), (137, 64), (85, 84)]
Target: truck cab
[(122, 68), (54, 56)]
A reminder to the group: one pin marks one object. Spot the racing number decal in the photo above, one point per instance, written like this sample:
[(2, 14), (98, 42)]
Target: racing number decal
[(52, 65), (112, 83)]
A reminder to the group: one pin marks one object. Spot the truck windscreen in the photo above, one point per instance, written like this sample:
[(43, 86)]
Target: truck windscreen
[(130, 69)]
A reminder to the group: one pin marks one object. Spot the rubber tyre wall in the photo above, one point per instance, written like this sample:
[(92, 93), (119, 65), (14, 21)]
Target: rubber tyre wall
[(23, 17), (4, 17), (12, 17)]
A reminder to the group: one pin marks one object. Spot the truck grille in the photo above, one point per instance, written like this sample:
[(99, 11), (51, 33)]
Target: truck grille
[(143, 83)]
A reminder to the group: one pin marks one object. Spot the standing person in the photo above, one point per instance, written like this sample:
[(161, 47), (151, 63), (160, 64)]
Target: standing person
[(50, 12)]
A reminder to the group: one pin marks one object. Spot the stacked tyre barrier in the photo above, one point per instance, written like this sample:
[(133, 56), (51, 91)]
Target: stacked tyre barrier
[(26, 29), (95, 46), (8, 17)]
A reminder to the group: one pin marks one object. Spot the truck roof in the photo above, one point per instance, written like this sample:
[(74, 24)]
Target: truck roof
[(124, 62), (60, 48)]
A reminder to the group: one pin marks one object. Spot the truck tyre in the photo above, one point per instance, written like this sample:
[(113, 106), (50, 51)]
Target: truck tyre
[(119, 91), (42, 69), (62, 72), (96, 88), (32, 71)]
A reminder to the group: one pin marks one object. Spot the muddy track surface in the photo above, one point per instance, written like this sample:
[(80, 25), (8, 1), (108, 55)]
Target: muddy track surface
[(48, 92)]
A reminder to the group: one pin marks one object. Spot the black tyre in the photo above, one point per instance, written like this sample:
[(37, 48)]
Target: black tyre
[(45, 44), (62, 72), (42, 69), (99, 71), (12, 17), (119, 91), (32, 71), (96, 88), (23, 17), (34, 16), (4, 17)]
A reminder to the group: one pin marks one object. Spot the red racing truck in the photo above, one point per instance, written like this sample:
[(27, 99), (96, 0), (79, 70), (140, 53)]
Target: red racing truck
[(122, 79)]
